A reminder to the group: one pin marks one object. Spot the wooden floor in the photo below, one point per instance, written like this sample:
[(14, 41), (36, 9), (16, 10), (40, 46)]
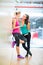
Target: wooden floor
[(8, 57)]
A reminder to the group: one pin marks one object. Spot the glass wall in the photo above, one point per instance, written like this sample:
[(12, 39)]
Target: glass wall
[(35, 11), (36, 17)]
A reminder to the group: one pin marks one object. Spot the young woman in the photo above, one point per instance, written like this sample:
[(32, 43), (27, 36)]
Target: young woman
[(16, 33), (26, 33)]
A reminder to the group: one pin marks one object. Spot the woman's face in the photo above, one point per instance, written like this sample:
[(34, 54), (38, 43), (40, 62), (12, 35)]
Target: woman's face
[(19, 15), (24, 17)]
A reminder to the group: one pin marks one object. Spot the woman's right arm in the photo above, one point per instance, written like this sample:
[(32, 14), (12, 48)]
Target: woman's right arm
[(22, 24), (13, 23)]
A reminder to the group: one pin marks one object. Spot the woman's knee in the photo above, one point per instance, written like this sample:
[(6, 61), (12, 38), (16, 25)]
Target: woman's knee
[(21, 41)]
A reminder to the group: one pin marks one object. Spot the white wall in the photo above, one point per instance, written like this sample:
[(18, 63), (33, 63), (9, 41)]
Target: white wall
[(5, 27)]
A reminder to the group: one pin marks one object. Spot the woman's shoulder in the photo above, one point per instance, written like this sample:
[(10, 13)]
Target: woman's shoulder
[(14, 18)]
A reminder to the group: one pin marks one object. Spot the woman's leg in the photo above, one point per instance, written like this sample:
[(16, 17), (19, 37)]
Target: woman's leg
[(24, 45), (22, 39), (17, 46), (17, 43), (28, 44), (28, 37)]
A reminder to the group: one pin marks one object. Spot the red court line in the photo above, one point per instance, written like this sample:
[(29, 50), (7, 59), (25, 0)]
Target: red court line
[(22, 6), (28, 6)]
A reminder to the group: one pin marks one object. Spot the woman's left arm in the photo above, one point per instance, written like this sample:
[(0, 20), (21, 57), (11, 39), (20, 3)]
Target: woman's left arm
[(28, 26)]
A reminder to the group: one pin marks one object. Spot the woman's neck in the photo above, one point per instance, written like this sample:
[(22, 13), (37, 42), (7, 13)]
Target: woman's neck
[(16, 17), (23, 20)]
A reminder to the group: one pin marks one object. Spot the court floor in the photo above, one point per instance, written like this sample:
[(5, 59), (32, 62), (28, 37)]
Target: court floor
[(8, 56)]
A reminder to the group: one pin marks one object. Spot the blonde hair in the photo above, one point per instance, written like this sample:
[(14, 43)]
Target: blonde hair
[(18, 12)]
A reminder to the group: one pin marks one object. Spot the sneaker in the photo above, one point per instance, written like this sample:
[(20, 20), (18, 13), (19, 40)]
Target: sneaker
[(13, 44), (21, 57)]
